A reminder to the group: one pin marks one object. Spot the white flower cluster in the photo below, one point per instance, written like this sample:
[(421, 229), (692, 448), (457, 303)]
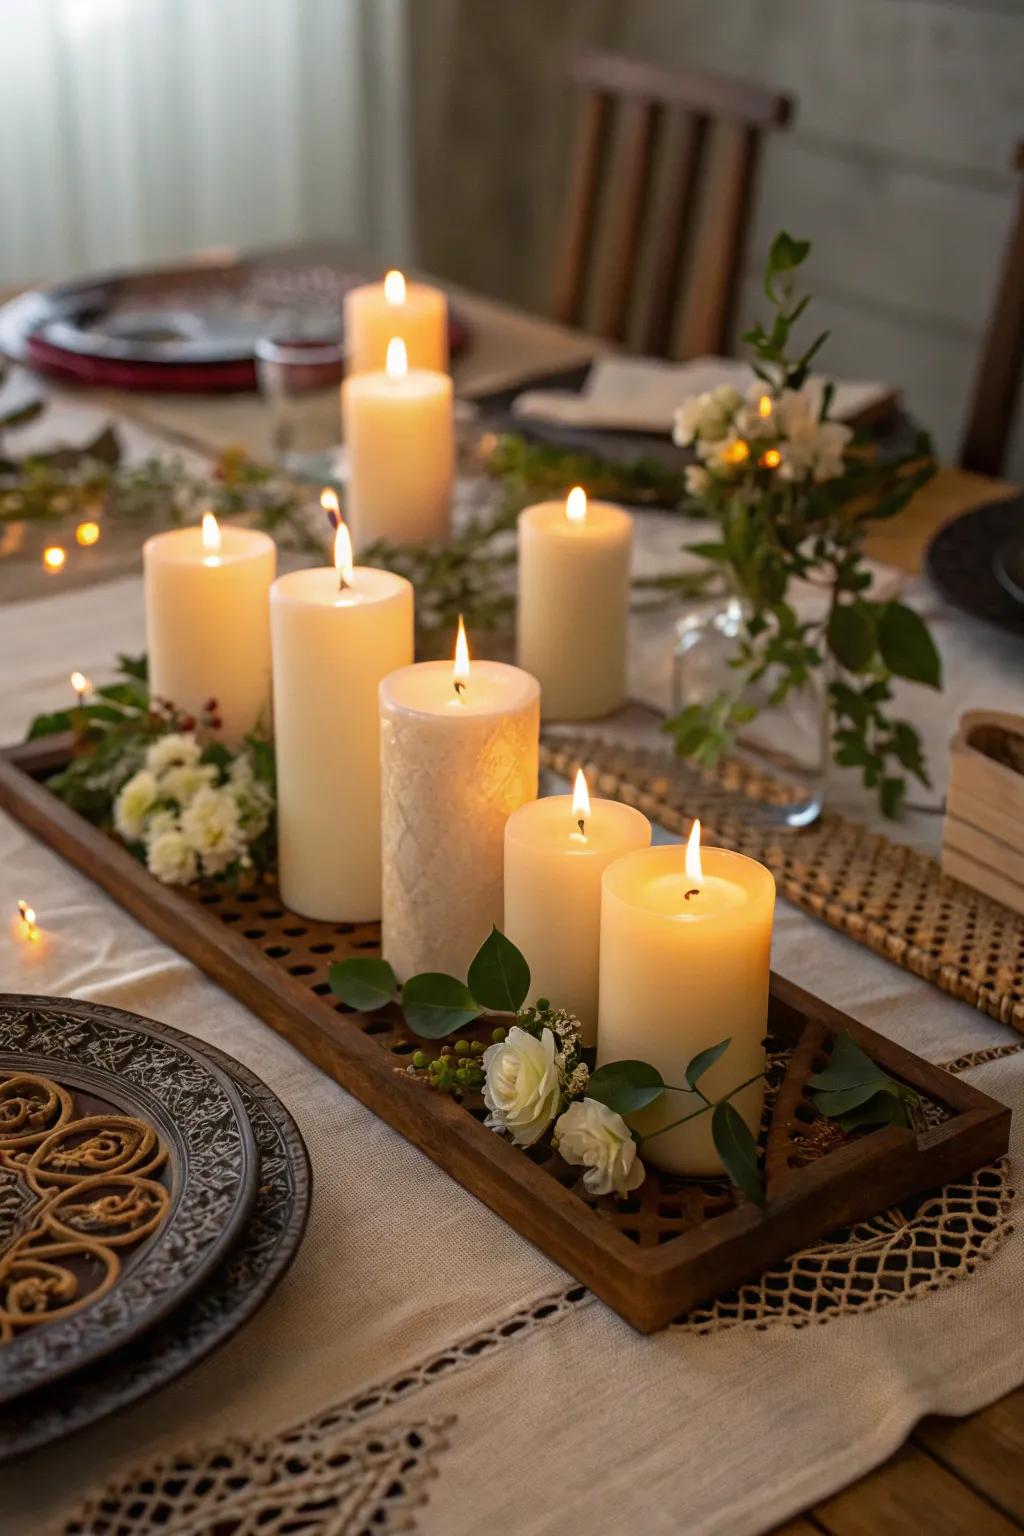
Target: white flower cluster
[(191, 817), (529, 1079), (785, 433)]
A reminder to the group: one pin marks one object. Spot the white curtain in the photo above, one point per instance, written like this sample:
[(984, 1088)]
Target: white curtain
[(134, 130)]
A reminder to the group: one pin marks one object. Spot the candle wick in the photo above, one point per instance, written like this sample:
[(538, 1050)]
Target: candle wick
[(694, 892), (459, 687), (582, 827), (343, 585)]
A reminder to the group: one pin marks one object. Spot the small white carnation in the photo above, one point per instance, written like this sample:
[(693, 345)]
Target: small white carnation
[(253, 799), (183, 781), (210, 823), (591, 1135), (171, 859), (159, 822), (170, 751), (134, 802)]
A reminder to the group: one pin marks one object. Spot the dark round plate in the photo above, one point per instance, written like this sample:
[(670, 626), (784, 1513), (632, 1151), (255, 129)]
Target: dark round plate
[(963, 557), (267, 1245), (141, 1069), (1009, 565)]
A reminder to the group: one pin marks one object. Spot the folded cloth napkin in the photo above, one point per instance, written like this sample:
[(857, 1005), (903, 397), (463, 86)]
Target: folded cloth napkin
[(639, 394)]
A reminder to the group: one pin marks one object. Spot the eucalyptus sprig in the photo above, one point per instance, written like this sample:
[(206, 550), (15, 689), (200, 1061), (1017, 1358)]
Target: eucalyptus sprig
[(793, 499)]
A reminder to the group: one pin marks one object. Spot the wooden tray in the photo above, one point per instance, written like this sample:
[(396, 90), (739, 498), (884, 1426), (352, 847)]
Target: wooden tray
[(672, 1244)]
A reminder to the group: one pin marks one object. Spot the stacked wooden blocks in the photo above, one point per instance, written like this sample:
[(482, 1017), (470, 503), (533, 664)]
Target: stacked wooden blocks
[(983, 833)]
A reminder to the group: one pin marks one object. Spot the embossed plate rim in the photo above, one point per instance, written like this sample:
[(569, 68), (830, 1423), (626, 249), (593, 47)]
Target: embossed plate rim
[(152, 1266)]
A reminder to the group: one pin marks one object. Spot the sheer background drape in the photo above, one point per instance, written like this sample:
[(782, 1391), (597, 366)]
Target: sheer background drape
[(134, 130)]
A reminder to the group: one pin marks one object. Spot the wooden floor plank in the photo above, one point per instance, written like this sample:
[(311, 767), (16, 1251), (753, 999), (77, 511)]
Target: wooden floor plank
[(986, 1451), (911, 1495)]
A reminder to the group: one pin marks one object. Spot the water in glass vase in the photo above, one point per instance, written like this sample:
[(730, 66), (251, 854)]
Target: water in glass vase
[(775, 767)]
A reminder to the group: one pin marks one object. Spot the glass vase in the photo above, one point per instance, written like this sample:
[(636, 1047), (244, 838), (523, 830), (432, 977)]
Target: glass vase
[(777, 764)]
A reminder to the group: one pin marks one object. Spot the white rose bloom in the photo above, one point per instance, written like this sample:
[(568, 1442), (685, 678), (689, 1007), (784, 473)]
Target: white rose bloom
[(688, 420), (811, 446), (170, 751), (697, 479), (829, 448), (133, 804), (210, 824), (184, 781), (171, 859), (521, 1087), (595, 1137)]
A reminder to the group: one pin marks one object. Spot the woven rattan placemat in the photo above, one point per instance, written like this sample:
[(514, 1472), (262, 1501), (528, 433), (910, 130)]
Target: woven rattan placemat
[(888, 897)]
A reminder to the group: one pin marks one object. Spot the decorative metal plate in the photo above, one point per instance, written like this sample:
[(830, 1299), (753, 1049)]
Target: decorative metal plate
[(67, 1296), (264, 1251)]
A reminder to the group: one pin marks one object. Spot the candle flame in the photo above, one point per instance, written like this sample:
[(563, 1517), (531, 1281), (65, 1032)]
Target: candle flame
[(28, 921), (329, 502), (54, 557), (343, 554), (87, 533), (460, 670), (576, 505), (693, 865), (396, 365), (80, 683), (394, 288), (580, 800), (211, 534)]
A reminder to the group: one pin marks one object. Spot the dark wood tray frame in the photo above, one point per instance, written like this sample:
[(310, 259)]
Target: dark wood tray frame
[(669, 1247)]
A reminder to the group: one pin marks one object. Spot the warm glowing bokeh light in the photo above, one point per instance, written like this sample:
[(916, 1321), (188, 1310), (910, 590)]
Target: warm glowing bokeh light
[(764, 407), (396, 365), (329, 502), (693, 865), (737, 452), (54, 558), (576, 505), (87, 533), (29, 927), (394, 288), (81, 684), (211, 534), (771, 459), (460, 669), (343, 563)]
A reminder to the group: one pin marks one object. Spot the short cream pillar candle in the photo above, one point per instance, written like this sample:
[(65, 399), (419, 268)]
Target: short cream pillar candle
[(685, 955), (336, 633), (207, 622), (459, 754), (574, 604), (556, 851), (400, 437), (375, 312)]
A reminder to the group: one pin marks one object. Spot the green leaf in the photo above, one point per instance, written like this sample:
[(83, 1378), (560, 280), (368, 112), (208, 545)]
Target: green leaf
[(891, 794), (883, 1108), (625, 1086), (708, 551), (499, 977), (840, 1101), (738, 1151), (847, 1067), (22, 415), (49, 725), (907, 648), (703, 1060), (363, 983), (134, 666), (787, 253), (435, 1005), (851, 635)]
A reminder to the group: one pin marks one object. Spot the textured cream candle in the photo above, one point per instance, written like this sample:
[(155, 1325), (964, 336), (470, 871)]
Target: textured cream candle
[(685, 963), (332, 646), (574, 604), (207, 622), (400, 436), (556, 851), (375, 312), (455, 764)]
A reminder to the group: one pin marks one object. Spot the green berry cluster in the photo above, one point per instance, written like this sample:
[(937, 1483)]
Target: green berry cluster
[(458, 1069)]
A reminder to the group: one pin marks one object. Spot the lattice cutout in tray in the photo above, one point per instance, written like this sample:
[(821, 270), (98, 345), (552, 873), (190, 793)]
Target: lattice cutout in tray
[(674, 1243)]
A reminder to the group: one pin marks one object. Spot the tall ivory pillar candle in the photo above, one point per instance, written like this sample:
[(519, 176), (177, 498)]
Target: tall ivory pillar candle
[(336, 633), (684, 964), (459, 754), (207, 622), (400, 436), (574, 604), (375, 312), (556, 851)]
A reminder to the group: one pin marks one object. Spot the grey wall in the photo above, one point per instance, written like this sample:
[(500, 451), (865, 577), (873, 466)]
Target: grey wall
[(897, 166)]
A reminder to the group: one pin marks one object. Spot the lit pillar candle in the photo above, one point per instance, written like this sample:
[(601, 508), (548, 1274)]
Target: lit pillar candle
[(556, 851), (207, 622), (400, 436), (573, 582), (375, 312), (336, 633), (459, 750), (685, 948)]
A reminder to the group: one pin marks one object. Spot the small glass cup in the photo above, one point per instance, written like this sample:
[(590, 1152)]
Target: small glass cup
[(300, 379)]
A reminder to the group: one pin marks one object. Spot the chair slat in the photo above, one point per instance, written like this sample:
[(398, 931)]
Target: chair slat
[(582, 199), (628, 187), (998, 383), (718, 253), (683, 149)]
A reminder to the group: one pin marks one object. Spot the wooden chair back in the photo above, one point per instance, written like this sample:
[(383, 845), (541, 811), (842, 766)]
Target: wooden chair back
[(659, 202), (997, 386)]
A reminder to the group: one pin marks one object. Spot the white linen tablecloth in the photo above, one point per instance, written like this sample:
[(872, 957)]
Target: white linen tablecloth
[(538, 1410)]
